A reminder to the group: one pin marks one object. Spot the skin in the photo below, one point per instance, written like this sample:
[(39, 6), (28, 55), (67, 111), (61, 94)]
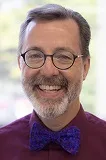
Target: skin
[(48, 36)]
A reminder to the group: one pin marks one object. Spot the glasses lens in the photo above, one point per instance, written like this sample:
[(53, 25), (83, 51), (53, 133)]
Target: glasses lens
[(34, 58), (63, 59)]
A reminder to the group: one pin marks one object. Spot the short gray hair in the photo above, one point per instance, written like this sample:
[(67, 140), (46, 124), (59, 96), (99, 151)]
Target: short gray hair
[(52, 12)]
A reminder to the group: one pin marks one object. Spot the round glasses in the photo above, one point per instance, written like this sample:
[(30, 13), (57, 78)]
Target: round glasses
[(61, 59)]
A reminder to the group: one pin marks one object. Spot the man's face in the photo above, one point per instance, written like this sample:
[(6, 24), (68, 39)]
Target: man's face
[(52, 91)]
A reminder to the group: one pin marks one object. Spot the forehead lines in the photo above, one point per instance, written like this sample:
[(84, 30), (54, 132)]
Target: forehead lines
[(62, 32)]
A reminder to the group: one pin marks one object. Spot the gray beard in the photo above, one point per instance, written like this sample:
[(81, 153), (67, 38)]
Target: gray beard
[(51, 108)]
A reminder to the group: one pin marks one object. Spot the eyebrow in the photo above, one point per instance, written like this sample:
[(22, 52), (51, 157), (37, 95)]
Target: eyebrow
[(64, 49), (35, 48), (55, 50)]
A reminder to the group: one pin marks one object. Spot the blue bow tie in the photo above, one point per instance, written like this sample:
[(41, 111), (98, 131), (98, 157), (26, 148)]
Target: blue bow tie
[(68, 138)]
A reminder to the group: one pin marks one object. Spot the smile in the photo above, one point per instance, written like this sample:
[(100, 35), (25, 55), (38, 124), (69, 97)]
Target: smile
[(52, 92), (49, 88)]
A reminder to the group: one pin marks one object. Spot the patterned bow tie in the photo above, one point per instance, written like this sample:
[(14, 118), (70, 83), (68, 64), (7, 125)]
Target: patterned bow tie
[(68, 138)]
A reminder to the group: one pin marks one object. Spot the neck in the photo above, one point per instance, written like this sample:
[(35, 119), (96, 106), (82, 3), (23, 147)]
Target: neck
[(60, 122)]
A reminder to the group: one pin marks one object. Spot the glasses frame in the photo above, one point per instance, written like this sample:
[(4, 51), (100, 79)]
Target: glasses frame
[(45, 56)]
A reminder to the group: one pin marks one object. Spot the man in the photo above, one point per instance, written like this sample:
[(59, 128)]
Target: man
[(54, 61)]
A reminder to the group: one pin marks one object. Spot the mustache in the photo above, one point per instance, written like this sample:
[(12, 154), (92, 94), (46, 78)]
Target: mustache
[(36, 80)]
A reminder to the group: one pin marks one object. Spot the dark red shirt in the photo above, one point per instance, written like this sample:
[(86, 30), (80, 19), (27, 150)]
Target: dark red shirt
[(14, 140)]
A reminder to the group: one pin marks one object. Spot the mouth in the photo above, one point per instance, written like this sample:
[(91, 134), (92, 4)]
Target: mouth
[(49, 88), (46, 91)]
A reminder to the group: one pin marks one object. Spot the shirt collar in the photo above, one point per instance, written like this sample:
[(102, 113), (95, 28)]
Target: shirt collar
[(79, 121)]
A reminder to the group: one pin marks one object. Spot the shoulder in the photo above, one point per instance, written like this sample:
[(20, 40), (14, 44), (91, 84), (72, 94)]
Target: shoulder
[(94, 120), (96, 131), (15, 135), (19, 125), (96, 124)]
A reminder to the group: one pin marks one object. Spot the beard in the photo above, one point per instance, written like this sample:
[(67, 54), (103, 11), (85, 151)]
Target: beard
[(49, 107)]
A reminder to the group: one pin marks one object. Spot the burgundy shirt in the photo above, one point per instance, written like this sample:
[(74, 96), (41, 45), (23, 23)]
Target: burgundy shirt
[(14, 140)]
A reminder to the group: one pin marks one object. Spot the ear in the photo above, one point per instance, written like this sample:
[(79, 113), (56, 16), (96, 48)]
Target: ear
[(86, 63)]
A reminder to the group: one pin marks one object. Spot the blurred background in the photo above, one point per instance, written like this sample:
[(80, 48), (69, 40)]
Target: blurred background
[(13, 103)]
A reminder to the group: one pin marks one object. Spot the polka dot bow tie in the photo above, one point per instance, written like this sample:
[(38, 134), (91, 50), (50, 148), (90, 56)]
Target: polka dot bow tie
[(68, 138)]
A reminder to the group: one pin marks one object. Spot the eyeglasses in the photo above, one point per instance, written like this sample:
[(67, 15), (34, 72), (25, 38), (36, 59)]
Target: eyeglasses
[(62, 59)]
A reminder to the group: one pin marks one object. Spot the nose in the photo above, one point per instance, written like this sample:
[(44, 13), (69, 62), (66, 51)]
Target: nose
[(48, 69)]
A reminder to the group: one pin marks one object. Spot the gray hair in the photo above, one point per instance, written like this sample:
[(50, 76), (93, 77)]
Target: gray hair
[(52, 12)]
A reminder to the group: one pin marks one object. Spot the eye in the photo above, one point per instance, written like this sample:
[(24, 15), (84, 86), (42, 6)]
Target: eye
[(33, 54), (63, 55)]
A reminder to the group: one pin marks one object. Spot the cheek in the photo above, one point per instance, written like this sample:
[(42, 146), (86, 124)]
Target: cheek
[(73, 74), (27, 72)]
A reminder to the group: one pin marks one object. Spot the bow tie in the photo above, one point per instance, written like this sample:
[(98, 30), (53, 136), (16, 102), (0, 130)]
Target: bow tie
[(68, 138)]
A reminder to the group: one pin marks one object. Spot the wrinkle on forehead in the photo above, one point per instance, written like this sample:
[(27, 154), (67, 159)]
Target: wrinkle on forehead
[(45, 33), (53, 27)]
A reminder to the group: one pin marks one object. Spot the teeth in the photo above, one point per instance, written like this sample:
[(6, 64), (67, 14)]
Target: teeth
[(49, 88)]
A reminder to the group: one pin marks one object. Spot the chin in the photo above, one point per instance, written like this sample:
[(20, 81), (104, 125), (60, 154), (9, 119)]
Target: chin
[(50, 110)]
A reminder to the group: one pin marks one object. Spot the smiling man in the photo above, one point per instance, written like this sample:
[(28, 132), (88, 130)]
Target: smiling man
[(54, 61), (50, 79)]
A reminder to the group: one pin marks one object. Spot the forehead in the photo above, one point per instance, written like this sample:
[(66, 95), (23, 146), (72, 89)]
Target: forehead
[(52, 33)]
